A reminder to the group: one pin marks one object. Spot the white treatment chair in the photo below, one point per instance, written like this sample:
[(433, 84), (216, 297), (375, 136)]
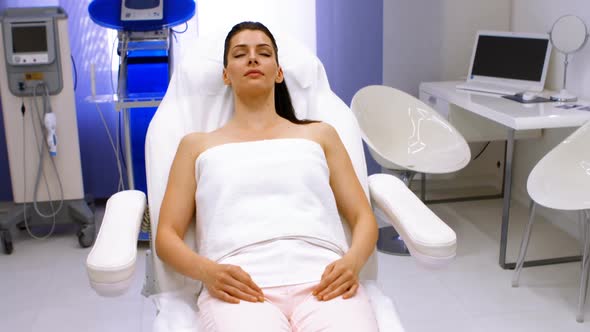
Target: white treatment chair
[(197, 100), (406, 136)]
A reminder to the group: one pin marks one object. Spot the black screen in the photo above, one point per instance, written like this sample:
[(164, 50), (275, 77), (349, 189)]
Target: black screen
[(510, 57), (29, 39), (142, 4)]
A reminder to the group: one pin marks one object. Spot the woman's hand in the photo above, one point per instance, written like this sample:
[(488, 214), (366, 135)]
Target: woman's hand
[(339, 278), (231, 284)]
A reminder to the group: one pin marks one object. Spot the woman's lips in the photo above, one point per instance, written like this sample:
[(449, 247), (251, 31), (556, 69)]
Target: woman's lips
[(254, 73)]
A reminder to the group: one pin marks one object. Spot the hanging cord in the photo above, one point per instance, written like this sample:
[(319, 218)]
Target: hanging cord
[(40, 171), (75, 72), (111, 64), (46, 109), (174, 32), (119, 150), (482, 150), (115, 150), (121, 183), (181, 32)]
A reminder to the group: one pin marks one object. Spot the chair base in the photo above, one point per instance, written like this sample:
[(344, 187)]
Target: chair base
[(390, 242)]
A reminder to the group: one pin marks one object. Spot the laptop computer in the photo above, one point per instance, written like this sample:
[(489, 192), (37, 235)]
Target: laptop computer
[(507, 63)]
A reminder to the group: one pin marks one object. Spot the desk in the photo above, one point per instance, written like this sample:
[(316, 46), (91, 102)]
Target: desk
[(513, 116)]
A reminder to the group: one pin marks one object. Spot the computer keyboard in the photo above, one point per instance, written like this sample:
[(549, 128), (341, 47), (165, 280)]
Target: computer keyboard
[(489, 88)]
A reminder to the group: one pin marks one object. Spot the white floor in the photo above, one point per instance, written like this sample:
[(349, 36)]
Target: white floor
[(43, 284)]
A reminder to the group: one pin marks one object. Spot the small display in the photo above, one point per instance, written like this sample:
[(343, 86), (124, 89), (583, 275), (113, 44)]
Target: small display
[(30, 39), (142, 4), (142, 10)]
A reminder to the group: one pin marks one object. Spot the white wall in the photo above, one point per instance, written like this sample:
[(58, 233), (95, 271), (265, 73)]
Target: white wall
[(296, 17), (433, 40), (538, 16)]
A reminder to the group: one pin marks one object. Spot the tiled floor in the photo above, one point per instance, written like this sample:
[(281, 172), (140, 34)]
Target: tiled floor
[(43, 285)]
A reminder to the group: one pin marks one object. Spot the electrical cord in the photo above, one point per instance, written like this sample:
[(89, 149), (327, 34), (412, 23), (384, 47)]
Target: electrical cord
[(174, 32), (119, 150), (40, 170), (75, 72), (120, 185), (482, 150), (183, 31), (44, 145), (120, 144), (111, 64)]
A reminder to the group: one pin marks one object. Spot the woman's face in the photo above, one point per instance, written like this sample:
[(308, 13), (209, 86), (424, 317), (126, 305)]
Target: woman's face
[(251, 63)]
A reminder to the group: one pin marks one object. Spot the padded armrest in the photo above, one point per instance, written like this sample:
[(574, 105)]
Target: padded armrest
[(428, 238), (111, 262)]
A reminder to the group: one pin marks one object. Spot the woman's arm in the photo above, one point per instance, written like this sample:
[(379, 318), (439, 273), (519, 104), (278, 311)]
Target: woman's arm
[(177, 211), (341, 277), (226, 282)]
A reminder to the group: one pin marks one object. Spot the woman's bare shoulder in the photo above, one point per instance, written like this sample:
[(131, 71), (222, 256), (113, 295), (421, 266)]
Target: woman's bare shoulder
[(321, 132), (194, 143)]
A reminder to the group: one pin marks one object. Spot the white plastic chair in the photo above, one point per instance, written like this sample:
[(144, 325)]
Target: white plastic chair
[(561, 181), (197, 100), (407, 136)]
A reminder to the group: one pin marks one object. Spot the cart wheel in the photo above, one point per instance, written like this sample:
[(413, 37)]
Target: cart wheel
[(86, 237), (7, 242)]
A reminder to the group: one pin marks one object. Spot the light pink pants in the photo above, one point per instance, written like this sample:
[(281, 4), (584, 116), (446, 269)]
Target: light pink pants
[(288, 309)]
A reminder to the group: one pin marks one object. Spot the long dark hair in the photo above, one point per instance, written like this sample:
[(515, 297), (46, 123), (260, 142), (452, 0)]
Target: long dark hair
[(283, 104)]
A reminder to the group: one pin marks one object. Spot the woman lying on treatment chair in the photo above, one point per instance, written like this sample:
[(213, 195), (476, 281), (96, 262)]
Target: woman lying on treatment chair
[(270, 188)]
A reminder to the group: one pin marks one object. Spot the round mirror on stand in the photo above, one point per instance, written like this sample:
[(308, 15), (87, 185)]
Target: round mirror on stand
[(568, 35)]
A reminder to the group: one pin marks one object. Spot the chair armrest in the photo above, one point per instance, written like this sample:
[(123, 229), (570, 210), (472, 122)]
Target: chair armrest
[(427, 237), (111, 262)]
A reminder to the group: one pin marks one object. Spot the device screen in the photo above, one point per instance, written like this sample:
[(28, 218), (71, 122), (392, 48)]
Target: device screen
[(508, 57), (142, 4), (29, 39)]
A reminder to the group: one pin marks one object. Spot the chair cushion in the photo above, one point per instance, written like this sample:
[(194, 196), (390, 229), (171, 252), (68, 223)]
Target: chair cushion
[(111, 262), (427, 237)]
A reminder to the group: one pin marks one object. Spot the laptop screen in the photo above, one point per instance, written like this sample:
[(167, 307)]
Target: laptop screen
[(515, 59), (510, 57)]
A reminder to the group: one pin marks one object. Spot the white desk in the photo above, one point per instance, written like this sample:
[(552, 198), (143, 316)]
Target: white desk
[(514, 116)]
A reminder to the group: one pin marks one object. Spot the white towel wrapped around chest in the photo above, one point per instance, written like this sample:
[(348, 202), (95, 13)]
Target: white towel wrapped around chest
[(257, 191)]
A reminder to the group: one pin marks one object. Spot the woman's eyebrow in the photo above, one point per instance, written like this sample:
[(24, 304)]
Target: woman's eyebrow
[(257, 46)]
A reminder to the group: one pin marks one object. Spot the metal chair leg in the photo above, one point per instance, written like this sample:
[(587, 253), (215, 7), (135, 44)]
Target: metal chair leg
[(524, 246), (585, 270), (581, 229)]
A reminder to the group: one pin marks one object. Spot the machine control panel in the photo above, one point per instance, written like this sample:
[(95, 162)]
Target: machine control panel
[(142, 10), (31, 47)]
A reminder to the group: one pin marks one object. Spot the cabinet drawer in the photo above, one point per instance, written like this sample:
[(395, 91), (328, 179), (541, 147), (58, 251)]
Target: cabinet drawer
[(439, 105)]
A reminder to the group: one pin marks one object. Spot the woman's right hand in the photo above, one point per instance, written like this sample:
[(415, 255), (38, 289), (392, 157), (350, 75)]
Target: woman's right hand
[(231, 284)]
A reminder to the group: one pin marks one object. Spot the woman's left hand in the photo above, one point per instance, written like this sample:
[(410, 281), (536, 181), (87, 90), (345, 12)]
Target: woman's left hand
[(339, 278)]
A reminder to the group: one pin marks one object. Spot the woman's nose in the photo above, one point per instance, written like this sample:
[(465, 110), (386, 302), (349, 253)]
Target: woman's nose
[(252, 57)]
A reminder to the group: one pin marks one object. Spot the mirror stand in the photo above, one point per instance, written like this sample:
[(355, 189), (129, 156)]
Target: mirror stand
[(563, 95)]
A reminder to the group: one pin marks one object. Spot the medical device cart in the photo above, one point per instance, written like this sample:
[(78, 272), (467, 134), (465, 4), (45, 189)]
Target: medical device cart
[(144, 49), (39, 110)]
